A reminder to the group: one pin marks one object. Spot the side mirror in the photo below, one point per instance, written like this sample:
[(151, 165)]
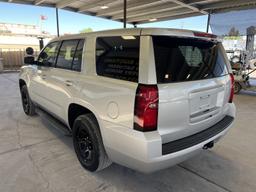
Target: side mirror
[(29, 59)]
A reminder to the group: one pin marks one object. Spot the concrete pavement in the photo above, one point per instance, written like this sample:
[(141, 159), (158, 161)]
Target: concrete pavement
[(34, 156)]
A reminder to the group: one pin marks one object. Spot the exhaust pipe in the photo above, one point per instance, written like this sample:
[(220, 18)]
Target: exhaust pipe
[(208, 145)]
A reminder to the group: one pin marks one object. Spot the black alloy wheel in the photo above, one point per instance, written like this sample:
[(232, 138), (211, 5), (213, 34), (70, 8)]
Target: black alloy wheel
[(88, 143), (27, 104)]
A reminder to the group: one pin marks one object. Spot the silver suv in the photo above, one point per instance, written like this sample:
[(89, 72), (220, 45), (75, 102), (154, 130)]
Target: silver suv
[(144, 98)]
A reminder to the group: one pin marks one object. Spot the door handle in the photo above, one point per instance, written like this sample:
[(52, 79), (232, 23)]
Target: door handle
[(68, 83)]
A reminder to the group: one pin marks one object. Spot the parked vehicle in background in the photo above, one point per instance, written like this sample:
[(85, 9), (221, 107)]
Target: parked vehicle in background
[(243, 66), (144, 98)]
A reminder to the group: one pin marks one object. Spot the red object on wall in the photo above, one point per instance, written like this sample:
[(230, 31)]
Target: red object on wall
[(43, 17)]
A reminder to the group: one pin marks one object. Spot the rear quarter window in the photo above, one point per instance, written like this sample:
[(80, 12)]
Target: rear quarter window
[(187, 59), (118, 57)]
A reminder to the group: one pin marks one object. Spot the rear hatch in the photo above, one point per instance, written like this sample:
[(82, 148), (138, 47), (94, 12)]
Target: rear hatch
[(193, 82)]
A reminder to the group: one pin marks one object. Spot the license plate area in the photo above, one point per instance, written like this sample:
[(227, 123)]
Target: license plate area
[(205, 104)]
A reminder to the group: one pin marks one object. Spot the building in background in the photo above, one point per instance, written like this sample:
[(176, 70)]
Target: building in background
[(14, 39), (234, 42), (20, 36)]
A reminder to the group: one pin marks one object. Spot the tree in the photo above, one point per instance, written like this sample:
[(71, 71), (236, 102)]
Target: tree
[(233, 32), (86, 30)]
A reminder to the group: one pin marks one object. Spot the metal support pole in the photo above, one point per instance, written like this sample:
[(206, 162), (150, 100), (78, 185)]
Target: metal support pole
[(208, 22), (41, 43), (124, 19), (57, 21)]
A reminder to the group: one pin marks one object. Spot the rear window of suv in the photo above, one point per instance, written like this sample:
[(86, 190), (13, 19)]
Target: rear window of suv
[(118, 57), (187, 59)]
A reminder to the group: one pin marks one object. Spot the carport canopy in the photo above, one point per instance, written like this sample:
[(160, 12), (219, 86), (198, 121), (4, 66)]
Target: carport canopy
[(142, 11)]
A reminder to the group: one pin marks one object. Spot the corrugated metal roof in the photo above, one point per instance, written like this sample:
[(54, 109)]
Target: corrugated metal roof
[(144, 11)]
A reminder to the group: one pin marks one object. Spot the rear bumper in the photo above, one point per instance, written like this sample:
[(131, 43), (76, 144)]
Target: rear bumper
[(197, 138), (145, 152)]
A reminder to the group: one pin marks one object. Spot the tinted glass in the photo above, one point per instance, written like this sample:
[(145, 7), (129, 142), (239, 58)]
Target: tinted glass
[(187, 59), (66, 54), (48, 56), (78, 56), (118, 57)]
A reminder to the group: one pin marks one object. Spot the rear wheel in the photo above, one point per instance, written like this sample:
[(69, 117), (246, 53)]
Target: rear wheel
[(27, 104), (237, 87), (88, 143)]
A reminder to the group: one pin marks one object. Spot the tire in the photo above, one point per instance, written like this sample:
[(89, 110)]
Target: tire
[(237, 87), (88, 143), (27, 104)]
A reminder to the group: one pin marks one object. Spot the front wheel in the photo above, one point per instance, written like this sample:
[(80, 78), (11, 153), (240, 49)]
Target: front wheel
[(88, 143), (27, 104)]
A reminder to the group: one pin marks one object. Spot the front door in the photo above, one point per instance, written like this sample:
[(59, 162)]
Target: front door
[(39, 82)]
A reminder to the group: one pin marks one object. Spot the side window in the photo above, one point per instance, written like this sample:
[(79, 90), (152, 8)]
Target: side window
[(118, 57), (48, 56), (78, 56), (66, 54)]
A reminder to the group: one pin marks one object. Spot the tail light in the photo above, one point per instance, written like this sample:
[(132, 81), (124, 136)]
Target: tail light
[(206, 35), (232, 81), (146, 108)]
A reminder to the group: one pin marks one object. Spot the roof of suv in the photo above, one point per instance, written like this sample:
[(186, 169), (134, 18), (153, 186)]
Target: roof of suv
[(133, 31)]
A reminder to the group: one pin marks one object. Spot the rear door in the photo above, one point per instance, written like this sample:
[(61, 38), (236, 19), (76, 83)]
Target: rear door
[(194, 85)]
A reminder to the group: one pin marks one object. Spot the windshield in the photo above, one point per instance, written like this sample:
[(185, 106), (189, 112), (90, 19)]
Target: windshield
[(187, 59)]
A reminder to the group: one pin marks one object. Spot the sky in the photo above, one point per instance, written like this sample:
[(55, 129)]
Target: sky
[(71, 22), (239, 20)]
